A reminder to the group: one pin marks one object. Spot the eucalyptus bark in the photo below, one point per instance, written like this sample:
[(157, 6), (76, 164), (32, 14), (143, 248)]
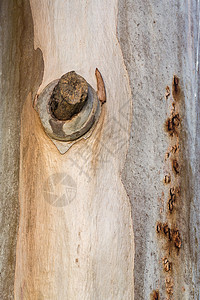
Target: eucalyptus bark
[(127, 226)]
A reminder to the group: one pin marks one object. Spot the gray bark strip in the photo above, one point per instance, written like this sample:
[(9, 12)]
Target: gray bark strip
[(159, 39)]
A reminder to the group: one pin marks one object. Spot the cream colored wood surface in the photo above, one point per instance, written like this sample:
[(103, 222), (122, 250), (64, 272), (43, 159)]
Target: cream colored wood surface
[(84, 249)]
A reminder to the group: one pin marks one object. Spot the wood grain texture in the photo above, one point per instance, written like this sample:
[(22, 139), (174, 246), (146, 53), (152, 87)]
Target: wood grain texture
[(83, 249)]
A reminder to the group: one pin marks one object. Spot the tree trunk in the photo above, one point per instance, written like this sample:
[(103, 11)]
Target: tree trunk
[(117, 215)]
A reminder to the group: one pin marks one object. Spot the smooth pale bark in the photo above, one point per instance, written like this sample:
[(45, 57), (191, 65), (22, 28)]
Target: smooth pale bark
[(83, 250), (99, 239)]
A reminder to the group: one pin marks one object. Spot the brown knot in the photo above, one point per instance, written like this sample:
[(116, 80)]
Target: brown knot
[(69, 96)]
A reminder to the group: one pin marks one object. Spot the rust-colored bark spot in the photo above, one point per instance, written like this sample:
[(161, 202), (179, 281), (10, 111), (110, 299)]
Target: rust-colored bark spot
[(175, 166), (155, 295), (172, 123), (167, 264), (175, 149), (167, 179), (166, 230), (176, 91), (169, 285), (159, 227), (167, 154), (172, 234), (167, 93), (170, 205), (176, 238), (174, 193)]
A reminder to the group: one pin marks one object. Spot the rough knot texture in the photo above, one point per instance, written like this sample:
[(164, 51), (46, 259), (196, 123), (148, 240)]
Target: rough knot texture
[(69, 96)]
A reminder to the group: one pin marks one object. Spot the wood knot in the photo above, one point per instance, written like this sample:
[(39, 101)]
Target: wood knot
[(69, 96)]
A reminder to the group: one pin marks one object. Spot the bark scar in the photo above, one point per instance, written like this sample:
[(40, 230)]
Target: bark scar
[(101, 92)]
